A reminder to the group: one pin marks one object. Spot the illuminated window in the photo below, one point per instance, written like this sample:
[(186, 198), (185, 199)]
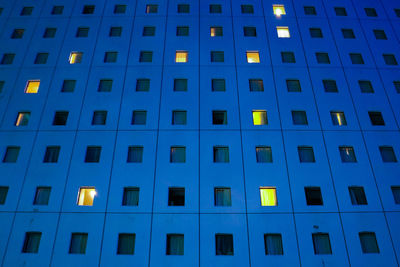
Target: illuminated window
[(32, 87), (151, 9), (253, 57), (181, 57), (75, 57), (260, 117), (78, 243), (283, 32), (216, 31), (338, 118), (268, 196), (86, 196), (22, 118), (347, 154), (279, 10)]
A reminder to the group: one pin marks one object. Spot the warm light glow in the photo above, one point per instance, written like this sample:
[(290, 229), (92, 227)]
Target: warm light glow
[(75, 57), (268, 196), (213, 31), (181, 57), (22, 119), (259, 117), (283, 32), (86, 196), (279, 10), (339, 118), (32, 87), (253, 57)]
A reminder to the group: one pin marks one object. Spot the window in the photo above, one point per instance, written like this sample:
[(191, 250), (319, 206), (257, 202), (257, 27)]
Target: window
[(279, 10), (22, 118), (288, 57), (368, 242), (217, 56), (256, 85), (175, 244), (387, 154), (126, 244), (222, 196), (119, 9), (365, 86), (313, 196), (75, 57), (17, 33), (180, 85), (253, 57), (356, 58), (263, 154), (49, 33), (93, 154), (41, 58), (268, 196), (396, 194), (182, 31), (340, 11), (380, 35), (26, 11), (215, 9), (176, 196), (105, 85), (86, 196), (11, 154), (224, 244), (181, 57), (2, 83), (179, 117), (110, 57), (390, 59), (135, 154), (78, 243), (42, 196), (338, 118), (322, 58), (146, 56), (177, 154), (306, 154), (273, 244), (216, 31), (31, 242), (370, 12), (219, 117), (183, 8), (376, 118), (315, 33), (115, 31), (149, 31), (322, 244), (88, 9), (151, 9), (260, 117), (397, 12), (249, 31), (82, 32), (7, 59), (299, 117), (131, 196), (347, 154), (139, 117), (51, 154), (3, 194), (293, 86), (310, 10), (99, 117), (57, 10), (218, 85), (396, 85), (283, 32), (142, 85), (60, 118), (32, 87), (348, 34), (330, 86), (247, 9), (221, 154), (357, 195)]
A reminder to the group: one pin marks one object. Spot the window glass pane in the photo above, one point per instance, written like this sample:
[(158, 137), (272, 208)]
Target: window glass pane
[(105, 85), (253, 57), (68, 86), (93, 154), (376, 118), (348, 34), (322, 58), (396, 85), (99, 117), (299, 117), (176, 196), (51, 154), (151, 9), (273, 244), (288, 57), (338, 118), (41, 58), (175, 244), (135, 154), (357, 195), (182, 31), (115, 31), (23, 119), (181, 57), (322, 244), (221, 154), (390, 59), (42, 196), (218, 85), (131, 196), (247, 9), (368, 242), (249, 31), (380, 34), (32, 87), (7, 59), (260, 117), (82, 32), (310, 10), (370, 12), (183, 8), (256, 85), (330, 86), (178, 155), (146, 56), (356, 58), (11, 154), (60, 118), (119, 9), (224, 244), (313, 196), (126, 244), (263, 154), (279, 10), (396, 194), (78, 243), (222, 197), (215, 9), (139, 117), (49, 33), (316, 33), (110, 57), (216, 31), (75, 57), (178, 117), (306, 154), (149, 31), (3, 194), (86, 196), (347, 154), (32, 242), (366, 86), (219, 117), (340, 11), (387, 154), (142, 85), (268, 196), (217, 56), (180, 85), (283, 32), (17, 33)]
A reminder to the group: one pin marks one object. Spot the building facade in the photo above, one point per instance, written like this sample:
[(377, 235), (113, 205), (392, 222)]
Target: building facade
[(199, 133)]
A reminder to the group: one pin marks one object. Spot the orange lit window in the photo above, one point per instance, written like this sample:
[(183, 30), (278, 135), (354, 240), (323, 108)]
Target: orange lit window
[(75, 57), (253, 57), (181, 57), (32, 87), (86, 196)]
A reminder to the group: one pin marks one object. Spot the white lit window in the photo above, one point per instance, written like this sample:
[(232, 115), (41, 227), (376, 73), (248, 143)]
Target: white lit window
[(283, 32), (253, 57), (86, 196), (32, 87), (181, 57), (279, 10)]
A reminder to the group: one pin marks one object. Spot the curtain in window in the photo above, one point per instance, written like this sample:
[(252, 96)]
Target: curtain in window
[(78, 243), (126, 244), (51, 154), (42, 196), (273, 244), (175, 245), (223, 197), (221, 154), (224, 244), (32, 242), (131, 197), (135, 154), (264, 154), (178, 154)]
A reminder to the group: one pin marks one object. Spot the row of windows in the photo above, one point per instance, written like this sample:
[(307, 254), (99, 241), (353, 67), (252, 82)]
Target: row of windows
[(223, 243), (220, 154), (222, 196)]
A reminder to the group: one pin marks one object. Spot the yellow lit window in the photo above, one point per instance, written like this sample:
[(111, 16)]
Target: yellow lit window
[(268, 196), (181, 57), (253, 57), (32, 87), (22, 118), (283, 32), (75, 57), (279, 10), (260, 117), (86, 196)]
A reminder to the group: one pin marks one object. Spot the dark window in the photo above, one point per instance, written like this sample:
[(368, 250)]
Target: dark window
[(357, 195), (99, 117), (78, 243), (146, 56), (380, 35), (224, 244), (322, 243), (340, 11), (356, 58), (110, 57), (7, 59), (293, 85), (31, 242), (142, 85), (105, 85), (217, 56), (387, 154), (177, 154), (175, 244), (222, 196), (131, 196), (263, 154), (2, 83), (26, 11), (288, 57), (215, 9), (218, 85), (273, 244), (149, 31), (347, 154), (256, 85), (219, 117), (179, 117), (315, 33), (57, 10), (322, 58), (249, 31), (17, 33), (180, 85), (115, 31), (182, 31), (390, 59), (376, 118), (11, 154), (368, 242), (396, 194), (139, 117), (396, 85), (183, 8), (221, 154), (60, 118), (247, 9), (176, 196), (151, 9), (49, 33), (348, 34), (51, 154), (88, 9), (42, 196), (338, 118), (41, 58), (306, 154), (365, 86), (93, 154), (119, 9), (397, 12), (126, 244), (3, 194), (68, 86), (299, 117), (82, 32), (330, 86), (370, 12), (310, 10), (135, 154), (313, 196)]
